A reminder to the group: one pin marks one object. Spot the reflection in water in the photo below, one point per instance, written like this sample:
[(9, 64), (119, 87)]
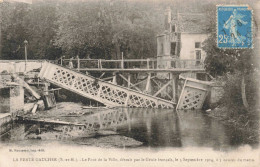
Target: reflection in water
[(165, 128), (153, 127)]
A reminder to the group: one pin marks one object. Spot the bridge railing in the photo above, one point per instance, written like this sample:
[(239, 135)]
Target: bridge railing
[(79, 64), (133, 63)]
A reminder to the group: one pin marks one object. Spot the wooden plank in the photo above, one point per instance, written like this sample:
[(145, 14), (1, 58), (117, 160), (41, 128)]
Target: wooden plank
[(108, 78), (103, 60), (61, 60), (100, 63), (47, 121), (129, 83), (122, 61), (174, 87), (102, 75), (199, 81), (156, 83), (195, 87), (147, 63), (52, 90), (182, 93), (132, 60), (114, 78), (148, 82), (92, 107), (134, 70), (138, 83), (35, 94), (162, 88), (78, 60), (128, 80)]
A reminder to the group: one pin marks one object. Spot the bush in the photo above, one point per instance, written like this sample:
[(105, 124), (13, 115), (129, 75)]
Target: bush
[(232, 97)]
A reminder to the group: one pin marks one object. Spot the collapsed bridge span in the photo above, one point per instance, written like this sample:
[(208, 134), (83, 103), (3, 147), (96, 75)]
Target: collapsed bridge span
[(101, 91)]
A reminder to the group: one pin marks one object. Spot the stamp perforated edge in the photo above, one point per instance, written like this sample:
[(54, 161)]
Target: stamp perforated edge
[(252, 28)]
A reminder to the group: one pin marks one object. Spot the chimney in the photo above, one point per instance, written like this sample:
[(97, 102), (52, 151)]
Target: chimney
[(168, 18)]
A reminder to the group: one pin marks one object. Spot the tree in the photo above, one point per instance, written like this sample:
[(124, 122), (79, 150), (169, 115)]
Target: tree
[(104, 29), (13, 29), (41, 25), (97, 29), (35, 23)]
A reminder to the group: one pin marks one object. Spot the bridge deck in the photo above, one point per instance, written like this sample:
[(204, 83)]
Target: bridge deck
[(99, 65), (134, 70)]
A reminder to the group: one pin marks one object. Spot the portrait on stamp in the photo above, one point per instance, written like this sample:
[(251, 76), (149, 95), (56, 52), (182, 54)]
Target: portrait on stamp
[(234, 27)]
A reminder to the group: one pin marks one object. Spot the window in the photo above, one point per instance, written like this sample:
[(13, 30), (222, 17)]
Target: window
[(198, 54), (197, 44), (161, 49), (173, 28), (198, 57), (173, 48)]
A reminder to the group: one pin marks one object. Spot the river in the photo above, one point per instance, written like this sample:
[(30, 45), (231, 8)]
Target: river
[(154, 128)]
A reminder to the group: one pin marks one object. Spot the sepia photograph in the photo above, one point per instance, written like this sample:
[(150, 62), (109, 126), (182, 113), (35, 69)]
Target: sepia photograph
[(129, 83)]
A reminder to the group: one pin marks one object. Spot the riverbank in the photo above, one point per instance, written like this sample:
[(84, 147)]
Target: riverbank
[(102, 138), (246, 122), (70, 122)]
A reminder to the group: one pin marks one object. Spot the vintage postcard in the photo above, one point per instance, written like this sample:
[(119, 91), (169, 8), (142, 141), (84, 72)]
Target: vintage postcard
[(129, 83)]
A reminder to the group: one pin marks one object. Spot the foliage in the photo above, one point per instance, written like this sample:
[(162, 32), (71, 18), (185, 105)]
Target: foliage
[(34, 23), (220, 61), (96, 29), (232, 97), (13, 29), (41, 26), (104, 29)]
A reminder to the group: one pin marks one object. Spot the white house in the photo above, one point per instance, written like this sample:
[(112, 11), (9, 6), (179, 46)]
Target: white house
[(182, 40)]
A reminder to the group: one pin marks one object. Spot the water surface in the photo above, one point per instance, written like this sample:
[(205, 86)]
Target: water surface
[(155, 128)]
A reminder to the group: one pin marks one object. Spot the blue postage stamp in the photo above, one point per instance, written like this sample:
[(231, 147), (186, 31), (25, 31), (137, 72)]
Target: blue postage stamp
[(234, 27)]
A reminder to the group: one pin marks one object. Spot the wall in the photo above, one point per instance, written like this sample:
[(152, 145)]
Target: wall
[(11, 99), (163, 51), (4, 100), (216, 94), (13, 66), (16, 99), (188, 45), (187, 50), (163, 45)]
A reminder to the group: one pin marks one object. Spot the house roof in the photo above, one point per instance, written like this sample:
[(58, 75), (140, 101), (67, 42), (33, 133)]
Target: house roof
[(192, 23)]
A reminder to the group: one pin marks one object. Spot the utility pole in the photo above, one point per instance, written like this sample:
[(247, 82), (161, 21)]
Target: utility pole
[(25, 53)]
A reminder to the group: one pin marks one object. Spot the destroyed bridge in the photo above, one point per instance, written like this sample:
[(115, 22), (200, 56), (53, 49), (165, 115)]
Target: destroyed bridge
[(127, 82)]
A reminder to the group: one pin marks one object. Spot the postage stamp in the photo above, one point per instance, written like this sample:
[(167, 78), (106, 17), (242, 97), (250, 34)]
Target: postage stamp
[(234, 27)]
